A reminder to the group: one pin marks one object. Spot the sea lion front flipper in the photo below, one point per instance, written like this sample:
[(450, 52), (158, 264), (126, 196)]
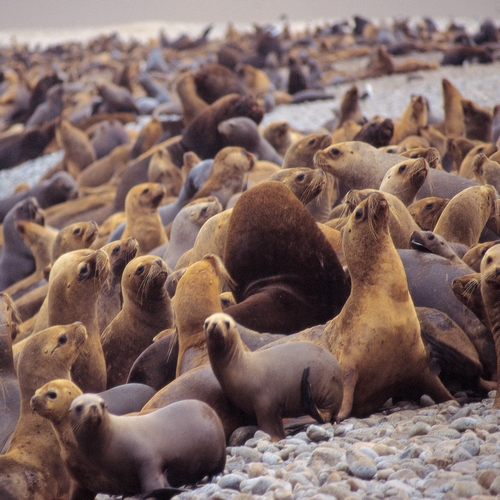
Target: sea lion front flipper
[(350, 379), (308, 397)]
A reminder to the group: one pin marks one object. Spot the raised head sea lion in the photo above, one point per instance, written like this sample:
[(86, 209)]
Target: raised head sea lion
[(74, 237), (301, 377), (146, 311), (301, 153)]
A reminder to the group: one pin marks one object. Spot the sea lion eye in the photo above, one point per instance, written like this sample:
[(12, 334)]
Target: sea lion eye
[(358, 214), (311, 142), (429, 205), (52, 395), (431, 236), (334, 152), (84, 271), (145, 191), (300, 177), (489, 260), (203, 211), (139, 270), (62, 339), (227, 324), (116, 250), (401, 169), (78, 408), (77, 230)]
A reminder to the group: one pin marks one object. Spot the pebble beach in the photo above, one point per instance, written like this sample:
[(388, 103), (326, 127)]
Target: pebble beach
[(407, 451)]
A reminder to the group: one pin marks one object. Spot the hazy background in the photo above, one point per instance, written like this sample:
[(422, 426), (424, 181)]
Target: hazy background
[(41, 14)]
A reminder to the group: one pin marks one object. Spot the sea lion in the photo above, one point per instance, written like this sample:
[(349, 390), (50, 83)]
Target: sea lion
[(192, 103), (143, 221), (146, 311), (405, 179), (230, 165), (301, 153), (475, 254), (466, 168), (242, 131), (116, 98), (377, 132), (16, 259), (214, 81), (74, 237), (10, 401), (110, 300), (106, 136), (161, 169), (486, 171), (49, 109), (32, 466), (155, 450), (281, 136), (349, 108), (60, 187), (186, 226), (354, 336), (465, 216), (477, 121), (52, 401), (427, 241), (426, 211), (281, 262), (489, 291), (453, 112), (306, 378)]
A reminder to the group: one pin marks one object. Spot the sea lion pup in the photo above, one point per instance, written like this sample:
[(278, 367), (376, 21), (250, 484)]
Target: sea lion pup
[(146, 311), (143, 220), (32, 466), (301, 377), (60, 187), (186, 226), (281, 136), (16, 259), (465, 216), (244, 132), (405, 179), (230, 165), (453, 112), (377, 132), (486, 171), (490, 272), (173, 446), (196, 297), (427, 241), (110, 300), (52, 401), (401, 223), (78, 150), (287, 275), (477, 121), (426, 211), (74, 237), (414, 117), (359, 335), (10, 401), (202, 135)]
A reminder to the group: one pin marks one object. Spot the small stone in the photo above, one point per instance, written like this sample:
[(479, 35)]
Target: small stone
[(383, 474), (467, 489), (426, 400), (230, 481), (419, 429), (463, 423), (249, 454), (460, 454), (495, 486), (465, 467), (316, 433), (337, 490), (486, 478), (271, 458), (257, 485), (364, 469), (327, 456), (282, 494), (256, 469), (439, 462)]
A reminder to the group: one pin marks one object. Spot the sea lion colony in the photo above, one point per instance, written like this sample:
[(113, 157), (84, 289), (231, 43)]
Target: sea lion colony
[(326, 259)]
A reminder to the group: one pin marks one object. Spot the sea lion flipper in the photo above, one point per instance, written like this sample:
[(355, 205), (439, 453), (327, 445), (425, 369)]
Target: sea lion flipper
[(308, 398), (162, 493)]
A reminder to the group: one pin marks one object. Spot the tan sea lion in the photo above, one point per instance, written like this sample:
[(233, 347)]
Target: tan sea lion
[(430, 154), (413, 118), (426, 211), (465, 216), (358, 336), (301, 377), (226, 177), (32, 466), (107, 227), (466, 168), (349, 108), (475, 254), (110, 300), (161, 169), (143, 220), (347, 132), (490, 267), (146, 311), (151, 451), (404, 179), (301, 153), (486, 171), (281, 136), (52, 401), (453, 112), (147, 138), (74, 237)]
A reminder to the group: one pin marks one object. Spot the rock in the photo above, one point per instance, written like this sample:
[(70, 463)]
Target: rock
[(364, 469), (464, 423)]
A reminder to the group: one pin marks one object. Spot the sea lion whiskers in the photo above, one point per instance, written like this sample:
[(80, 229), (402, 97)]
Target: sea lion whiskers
[(144, 286)]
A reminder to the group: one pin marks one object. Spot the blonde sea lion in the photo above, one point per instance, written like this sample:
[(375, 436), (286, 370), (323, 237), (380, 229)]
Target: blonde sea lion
[(146, 311), (465, 216), (301, 377), (32, 466), (143, 220), (466, 168), (413, 118), (453, 112)]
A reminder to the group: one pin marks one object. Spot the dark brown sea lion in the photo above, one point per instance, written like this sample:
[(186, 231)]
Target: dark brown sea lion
[(146, 311), (301, 377), (477, 120), (349, 108), (377, 132), (32, 466), (214, 81), (156, 450), (281, 262), (192, 103)]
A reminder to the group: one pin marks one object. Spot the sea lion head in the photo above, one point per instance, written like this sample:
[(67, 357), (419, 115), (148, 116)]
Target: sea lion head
[(10, 319), (87, 412), (490, 267), (144, 277), (305, 183), (219, 327), (53, 400), (302, 152), (412, 171), (144, 198), (120, 253)]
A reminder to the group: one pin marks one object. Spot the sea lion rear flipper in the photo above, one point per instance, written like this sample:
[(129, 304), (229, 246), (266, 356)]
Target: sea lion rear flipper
[(308, 398)]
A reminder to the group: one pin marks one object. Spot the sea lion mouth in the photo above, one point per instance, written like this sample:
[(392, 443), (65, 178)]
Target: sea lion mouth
[(156, 200), (91, 233)]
